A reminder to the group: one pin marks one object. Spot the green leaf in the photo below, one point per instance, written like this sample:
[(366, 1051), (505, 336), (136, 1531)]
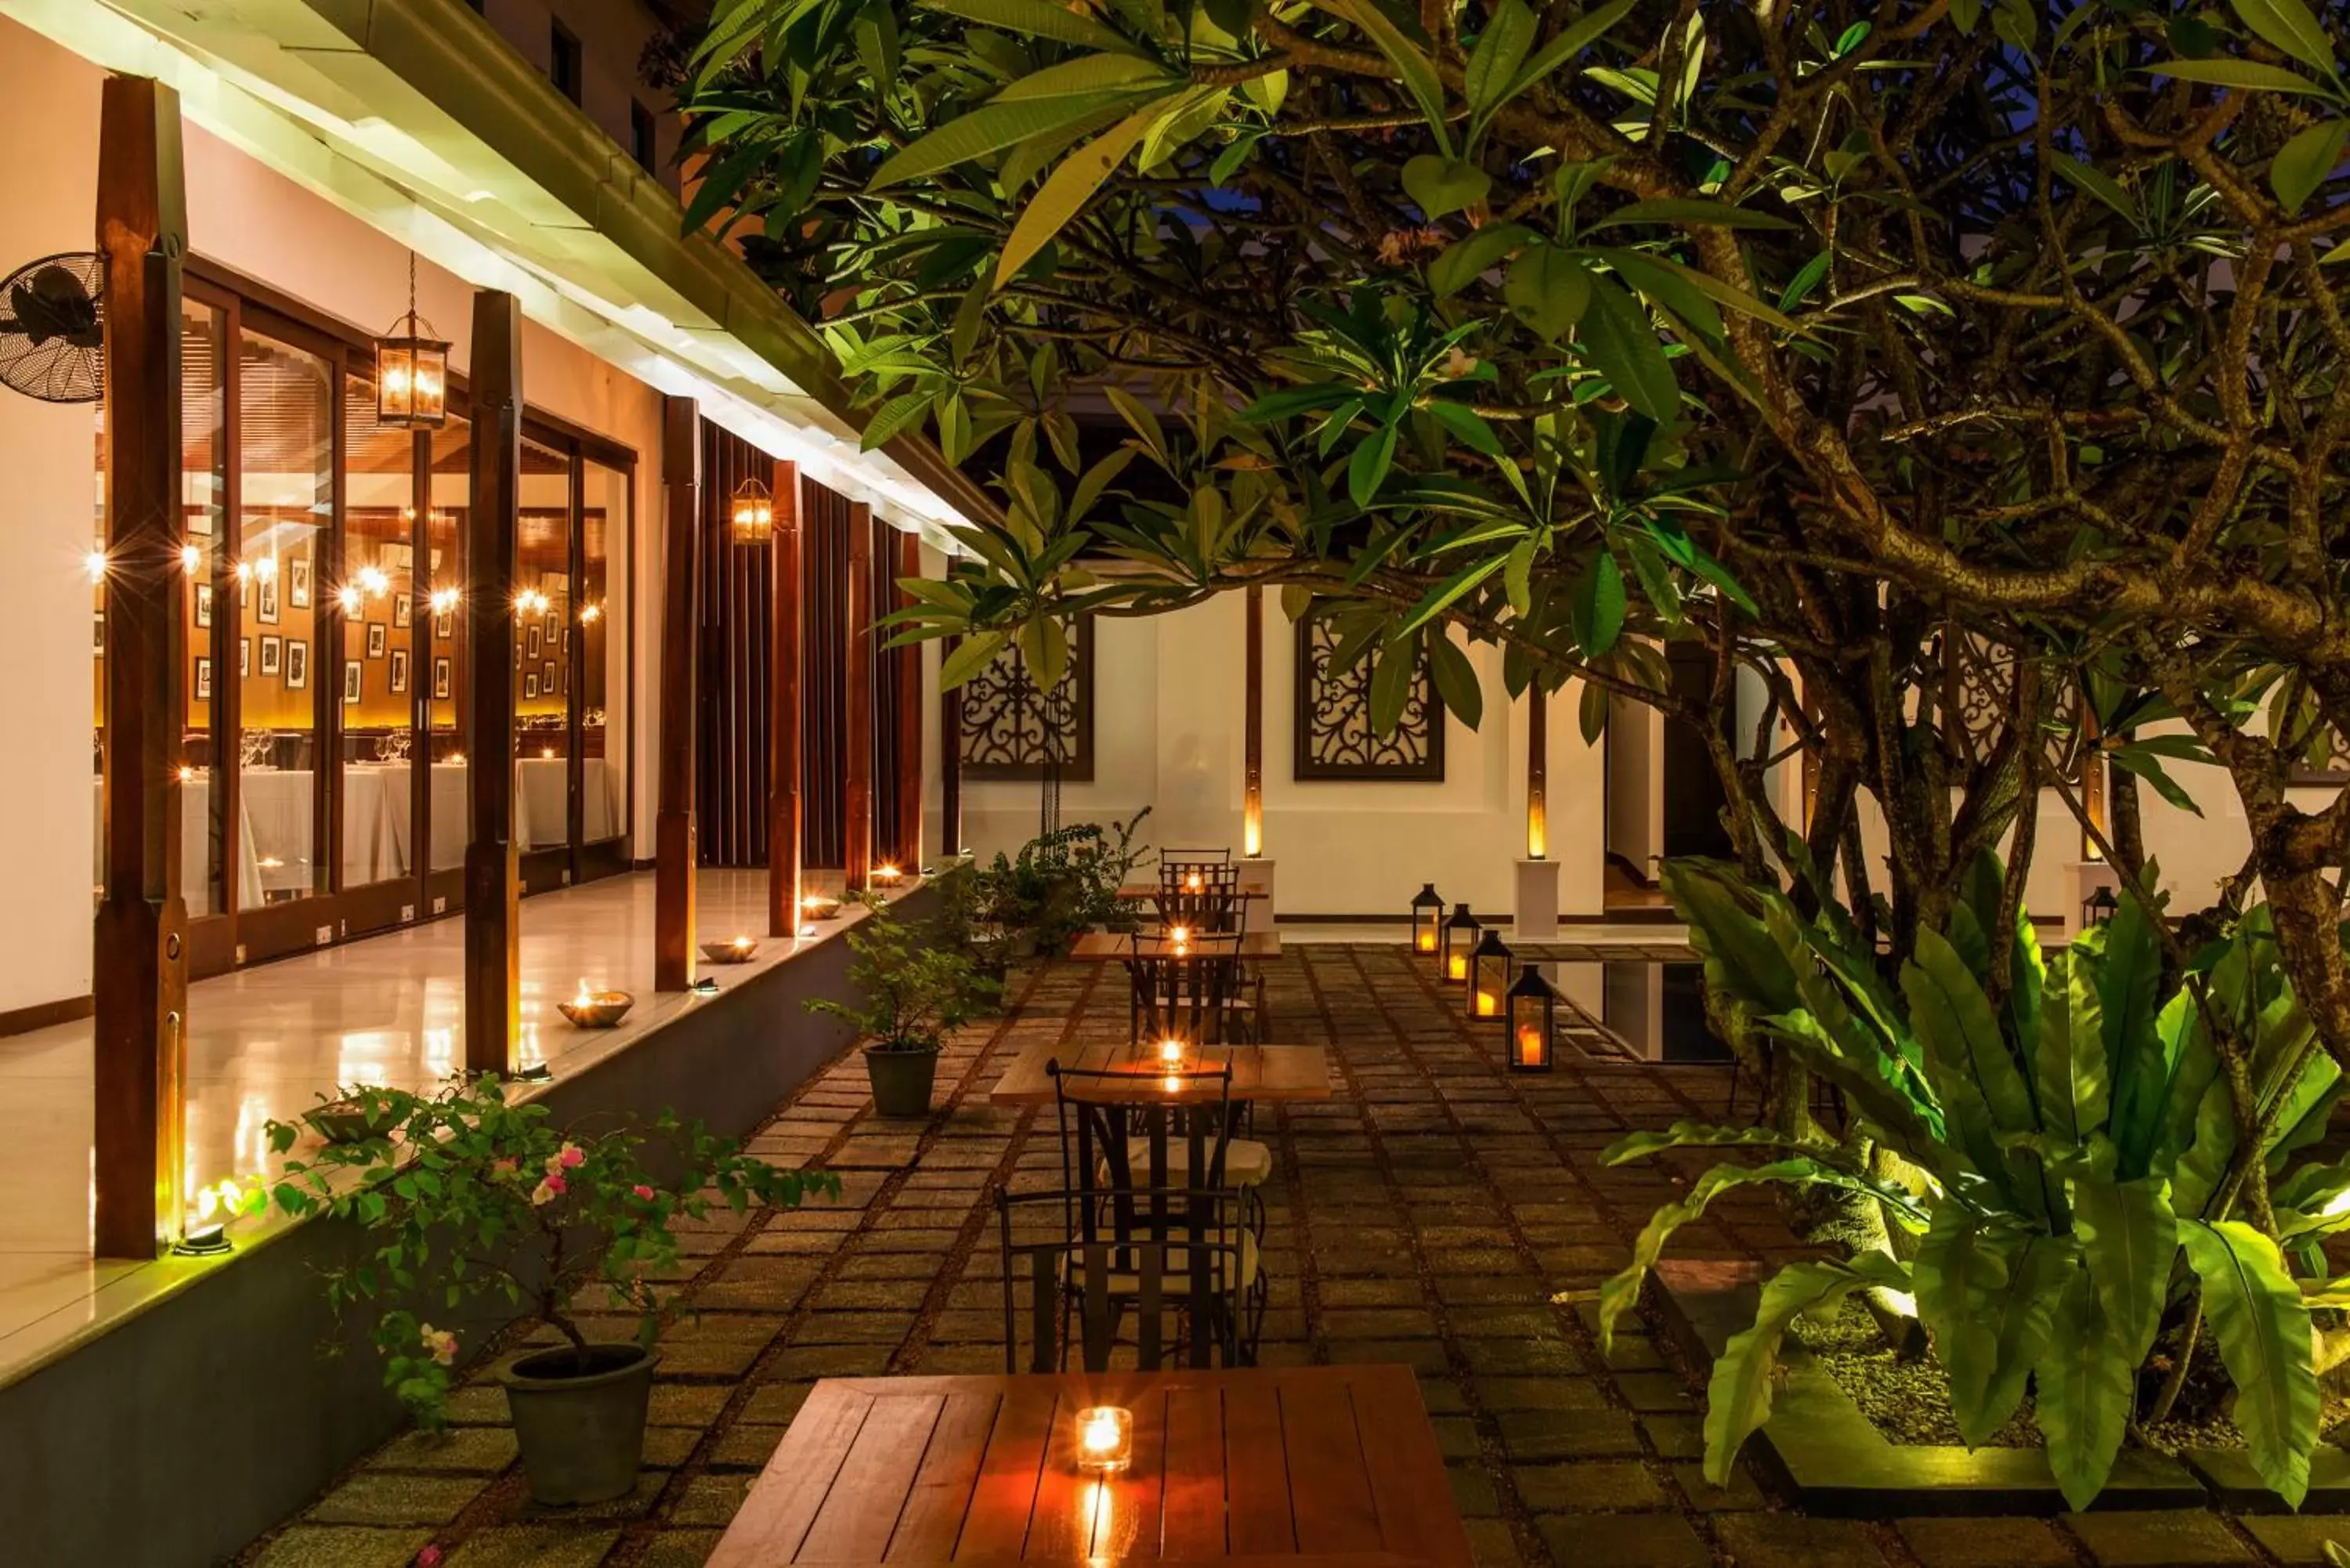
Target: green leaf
[(2289, 26), (2137, 1063), (1466, 425), (1548, 289), (1973, 1072), (1419, 77), (974, 654), (1807, 278), (2068, 1062), (1456, 679), (1462, 262), (1442, 185), (2306, 162), (1738, 1395), (2261, 1323), (1986, 1292), (1039, 19), (2084, 1391), (1577, 36), (989, 128), (1622, 344), (1599, 606), (2249, 75), (1500, 50), (1742, 958), (1621, 1289), (2101, 185), (1393, 681), (1068, 188), (1679, 212), (1370, 465), (1090, 74), (2129, 1237)]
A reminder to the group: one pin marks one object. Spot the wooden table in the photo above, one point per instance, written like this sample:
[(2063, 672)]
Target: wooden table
[(1118, 947), (1144, 892), (1335, 1467), (1270, 1074)]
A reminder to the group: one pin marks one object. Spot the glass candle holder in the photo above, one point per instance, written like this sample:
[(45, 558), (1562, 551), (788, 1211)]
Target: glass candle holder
[(1104, 1439)]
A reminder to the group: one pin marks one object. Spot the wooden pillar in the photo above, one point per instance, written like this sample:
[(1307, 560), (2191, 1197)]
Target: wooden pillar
[(1537, 772), (492, 869), (674, 849), (857, 790), (141, 935), (908, 664), (784, 713), (950, 758), (1253, 732)]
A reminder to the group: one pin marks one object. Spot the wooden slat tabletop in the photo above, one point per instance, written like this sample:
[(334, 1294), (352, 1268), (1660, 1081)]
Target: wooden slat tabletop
[(1268, 1072), (1310, 1467), (1143, 892), (1112, 947)]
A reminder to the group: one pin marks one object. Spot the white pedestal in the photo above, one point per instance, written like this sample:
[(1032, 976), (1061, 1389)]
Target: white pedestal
[(2083, 878), (1256, 877), (1537, 901)]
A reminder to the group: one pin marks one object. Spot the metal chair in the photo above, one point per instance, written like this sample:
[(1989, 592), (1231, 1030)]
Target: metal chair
[(1182, 1293)]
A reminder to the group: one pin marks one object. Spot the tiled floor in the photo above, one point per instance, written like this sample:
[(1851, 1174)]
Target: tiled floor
[(1436, 1211), (265, 1042)]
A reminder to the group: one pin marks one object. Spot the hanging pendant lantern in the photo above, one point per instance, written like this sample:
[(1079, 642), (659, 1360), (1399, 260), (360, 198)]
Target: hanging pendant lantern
[(412, 370), (754, 514)]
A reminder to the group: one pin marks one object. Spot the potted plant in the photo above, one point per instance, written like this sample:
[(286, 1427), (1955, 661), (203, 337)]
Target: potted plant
[(468, 1200), (912, 990), (1061, 885)]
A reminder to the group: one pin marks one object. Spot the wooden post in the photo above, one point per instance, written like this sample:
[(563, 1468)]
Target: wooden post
[(492, 869), (1537, 772), (950, 758), (857, 793), (909, 668), (141, 935), (784, 830), (674, 850), (1253, 732)]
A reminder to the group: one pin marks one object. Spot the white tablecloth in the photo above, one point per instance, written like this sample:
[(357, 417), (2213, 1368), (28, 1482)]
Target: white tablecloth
[(195, 850), (277, 822), (375, 821), (540, 817), (450, 818)]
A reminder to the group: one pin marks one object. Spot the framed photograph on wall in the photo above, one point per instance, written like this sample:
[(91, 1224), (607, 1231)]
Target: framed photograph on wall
[(98, 634), (546, 680), (203, 680), (203, 604), (376, 639), (533, 643), (266, 601), (441, 679), (400, 669), (530, 685), (271, 649), (297, 586), (553, 627), (401, 612), (297, 664), (244, 657), (350, 682), (444, 625)]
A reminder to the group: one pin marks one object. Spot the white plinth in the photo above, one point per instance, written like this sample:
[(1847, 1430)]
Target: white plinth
[(2085, 877), (1537, 901), (1256, 877)]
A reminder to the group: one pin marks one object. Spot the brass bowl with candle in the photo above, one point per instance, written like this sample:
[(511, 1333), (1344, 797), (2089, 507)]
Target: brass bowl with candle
[(742, 950), (596, 1009)]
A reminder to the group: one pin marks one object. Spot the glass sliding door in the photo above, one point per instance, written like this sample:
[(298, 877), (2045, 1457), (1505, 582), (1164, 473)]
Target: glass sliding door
[(544, 573), (601, 651), (449, 486), (285, 510), (214, 660), (378, 600)]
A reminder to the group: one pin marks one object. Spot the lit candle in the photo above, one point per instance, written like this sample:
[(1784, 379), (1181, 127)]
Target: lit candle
[(1459, 968), (885, 873), (1192, 882), (1427, 941), (1170, 1052), (1104, 1439), (1485, 1005), (586, 996), (743, 944), (1530, 1044)]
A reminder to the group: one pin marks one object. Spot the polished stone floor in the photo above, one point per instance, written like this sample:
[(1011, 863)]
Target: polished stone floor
[(1437, 1211), (269, 1042)]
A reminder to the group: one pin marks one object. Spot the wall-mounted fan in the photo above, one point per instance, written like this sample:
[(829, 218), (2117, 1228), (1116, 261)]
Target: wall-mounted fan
[(53, 329)]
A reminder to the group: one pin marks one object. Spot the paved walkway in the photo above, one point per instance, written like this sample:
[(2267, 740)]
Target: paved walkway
[(1437, 1211)]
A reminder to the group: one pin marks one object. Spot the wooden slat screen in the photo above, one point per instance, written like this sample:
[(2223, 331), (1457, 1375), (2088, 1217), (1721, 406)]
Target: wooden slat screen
[(731, 682), (890, 845), (823, 675)]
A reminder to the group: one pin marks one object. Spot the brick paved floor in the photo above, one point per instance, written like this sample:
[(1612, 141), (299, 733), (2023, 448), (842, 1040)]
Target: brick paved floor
[(1436, 1211)]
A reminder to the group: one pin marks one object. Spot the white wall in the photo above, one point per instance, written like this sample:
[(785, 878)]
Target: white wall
[(1167, 704), (47, 507), (251, 219)]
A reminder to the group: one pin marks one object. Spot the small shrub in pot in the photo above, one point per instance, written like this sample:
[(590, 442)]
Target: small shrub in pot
[(911, 989)]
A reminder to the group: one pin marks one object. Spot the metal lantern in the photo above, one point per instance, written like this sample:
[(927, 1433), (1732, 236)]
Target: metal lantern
[(2099, 908), (1534, 1021), (1490, 967), (1427, 920), (412, 370), (755, 512), (1453, 942)]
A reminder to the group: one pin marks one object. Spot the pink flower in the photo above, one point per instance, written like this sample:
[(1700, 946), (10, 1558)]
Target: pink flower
[(572, 1156), (429, 1558), (438, 1343), (643, 1191), (546, 1191)]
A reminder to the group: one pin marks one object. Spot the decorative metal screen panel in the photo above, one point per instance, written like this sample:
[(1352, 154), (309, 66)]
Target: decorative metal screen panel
[(1979, 703), (1332, 717), (1011, 730)]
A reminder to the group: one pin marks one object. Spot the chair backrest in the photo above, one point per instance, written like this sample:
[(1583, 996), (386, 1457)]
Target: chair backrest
[(1167, 1295), (1203, 896), (1101, 1122), (1186, 997)]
